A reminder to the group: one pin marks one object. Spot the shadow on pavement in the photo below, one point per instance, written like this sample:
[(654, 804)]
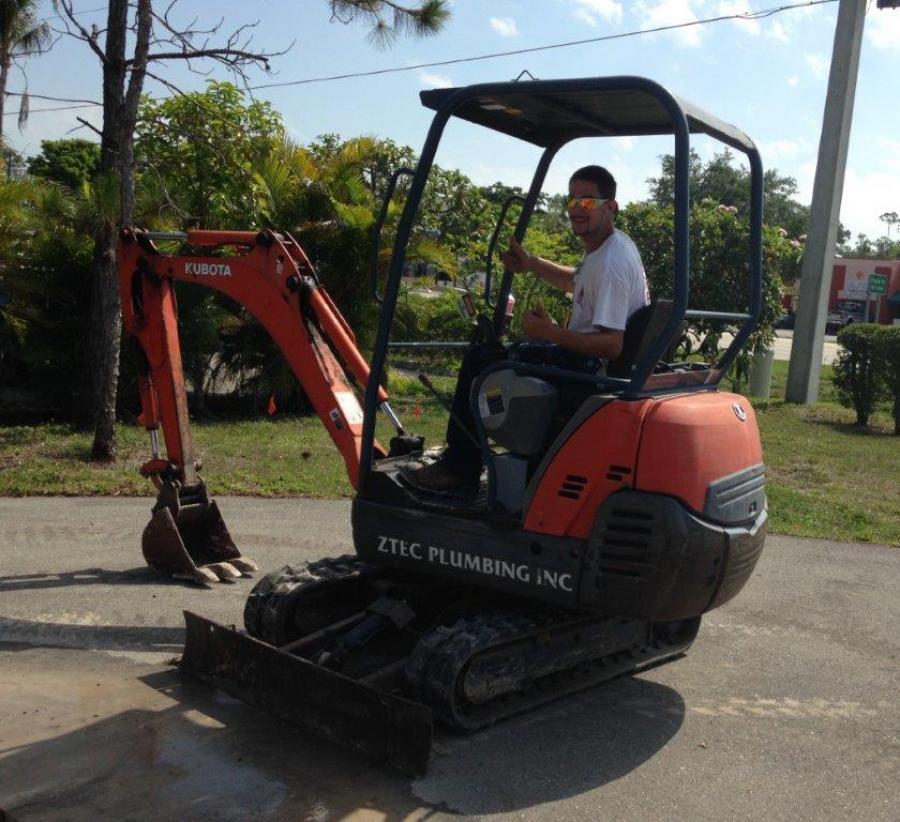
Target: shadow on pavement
[(563, 750), (205, 755)]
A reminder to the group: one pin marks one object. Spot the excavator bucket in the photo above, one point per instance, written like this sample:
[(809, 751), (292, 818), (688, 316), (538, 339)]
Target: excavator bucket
[(393, 731), (187, 538)]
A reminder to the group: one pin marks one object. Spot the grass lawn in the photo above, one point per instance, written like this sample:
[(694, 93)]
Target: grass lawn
[(826, 478)]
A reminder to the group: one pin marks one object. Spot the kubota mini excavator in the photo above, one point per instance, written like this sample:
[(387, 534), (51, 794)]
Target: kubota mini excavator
[(597, 540)]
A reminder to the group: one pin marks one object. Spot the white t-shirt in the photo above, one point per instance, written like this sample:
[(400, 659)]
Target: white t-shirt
[(610, 285)]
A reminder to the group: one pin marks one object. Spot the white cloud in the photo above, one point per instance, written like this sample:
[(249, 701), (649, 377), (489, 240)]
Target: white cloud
[(889, 153), (818, 65), (584, 16), (669, 13), (865, 197), (805, 180), (435, 80), (793, 82), (505, 26), (625, 144), (778, 31), (883, 28), (587, 11), (775, 151)]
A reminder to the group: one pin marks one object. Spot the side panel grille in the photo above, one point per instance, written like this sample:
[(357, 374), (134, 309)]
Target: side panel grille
[(627, 547), (573, 486)]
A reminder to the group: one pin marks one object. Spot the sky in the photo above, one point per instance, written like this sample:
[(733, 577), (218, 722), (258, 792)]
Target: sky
[(767, 76)]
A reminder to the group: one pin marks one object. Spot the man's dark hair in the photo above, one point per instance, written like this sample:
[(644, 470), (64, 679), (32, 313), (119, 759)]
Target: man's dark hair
[(605, 182)]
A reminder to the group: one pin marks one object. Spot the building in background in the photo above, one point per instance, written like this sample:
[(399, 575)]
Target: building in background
[(850, 289)]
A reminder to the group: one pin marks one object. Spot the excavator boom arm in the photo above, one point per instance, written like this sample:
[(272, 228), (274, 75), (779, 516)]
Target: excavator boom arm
[(272, 278)]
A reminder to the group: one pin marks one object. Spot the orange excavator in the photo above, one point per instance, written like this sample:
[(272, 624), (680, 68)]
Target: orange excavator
[(601, 532)]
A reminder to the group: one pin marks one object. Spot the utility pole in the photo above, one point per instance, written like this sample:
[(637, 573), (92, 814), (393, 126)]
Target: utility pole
[(818, 260)]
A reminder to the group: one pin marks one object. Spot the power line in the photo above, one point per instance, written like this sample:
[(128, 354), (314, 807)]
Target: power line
[(752, 15), (53, 99), (60, 17), (57, 108)]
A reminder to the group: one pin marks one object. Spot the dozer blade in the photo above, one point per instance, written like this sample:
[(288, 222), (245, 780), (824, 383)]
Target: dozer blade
[(194, 544), (393, 731)]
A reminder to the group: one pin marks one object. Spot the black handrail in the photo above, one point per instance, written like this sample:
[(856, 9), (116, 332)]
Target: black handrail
[(537, 183), (493, 243), (379, 224)]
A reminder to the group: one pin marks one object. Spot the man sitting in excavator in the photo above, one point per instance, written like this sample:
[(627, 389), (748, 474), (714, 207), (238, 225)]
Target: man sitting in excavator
[(608, 286)]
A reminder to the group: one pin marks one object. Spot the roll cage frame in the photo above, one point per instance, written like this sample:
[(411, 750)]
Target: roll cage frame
[(636, 106)]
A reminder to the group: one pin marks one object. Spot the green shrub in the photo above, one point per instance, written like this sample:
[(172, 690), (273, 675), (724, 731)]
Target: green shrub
[(857, 377), (887, 348)]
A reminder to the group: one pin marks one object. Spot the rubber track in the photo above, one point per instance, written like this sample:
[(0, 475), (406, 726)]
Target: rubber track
[(268, 613), (437, 667)]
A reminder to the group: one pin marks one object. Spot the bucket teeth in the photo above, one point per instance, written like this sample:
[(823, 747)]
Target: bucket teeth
[(224, 571), (202, 576), (246, 566), (186, 538)]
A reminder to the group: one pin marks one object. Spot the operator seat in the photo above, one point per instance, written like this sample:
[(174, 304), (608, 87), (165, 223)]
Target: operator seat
[(641, 331)]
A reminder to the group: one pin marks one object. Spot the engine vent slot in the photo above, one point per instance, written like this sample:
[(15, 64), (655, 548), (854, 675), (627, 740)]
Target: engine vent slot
[(617, 473), (573, 486)]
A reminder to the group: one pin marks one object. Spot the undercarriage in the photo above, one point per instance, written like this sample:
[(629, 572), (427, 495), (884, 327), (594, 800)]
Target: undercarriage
[(374, 655)]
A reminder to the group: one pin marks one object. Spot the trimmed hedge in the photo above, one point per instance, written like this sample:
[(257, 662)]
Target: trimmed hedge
[(867, 370), (887, 350)]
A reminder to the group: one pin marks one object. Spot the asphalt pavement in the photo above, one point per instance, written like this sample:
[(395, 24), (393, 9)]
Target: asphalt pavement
[(784, 339), (785, 708)]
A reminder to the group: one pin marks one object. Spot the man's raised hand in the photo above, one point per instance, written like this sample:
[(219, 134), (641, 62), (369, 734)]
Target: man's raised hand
[(515, 258)]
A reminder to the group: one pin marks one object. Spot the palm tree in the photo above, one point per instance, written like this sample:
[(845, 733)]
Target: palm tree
[(21, 35)]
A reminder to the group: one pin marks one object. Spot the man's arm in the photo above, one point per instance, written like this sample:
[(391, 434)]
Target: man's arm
[(604, 343), (515, 258)]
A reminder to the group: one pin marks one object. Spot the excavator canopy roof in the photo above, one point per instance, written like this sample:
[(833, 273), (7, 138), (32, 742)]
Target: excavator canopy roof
[(552, 112)]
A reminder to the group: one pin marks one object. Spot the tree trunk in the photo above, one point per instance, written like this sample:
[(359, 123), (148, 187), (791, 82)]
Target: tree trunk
[(197, 368), (5, 63), (103, 354), (116, 158)]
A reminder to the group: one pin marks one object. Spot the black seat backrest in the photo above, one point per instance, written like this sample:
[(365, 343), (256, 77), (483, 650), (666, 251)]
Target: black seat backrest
[(641, 331)]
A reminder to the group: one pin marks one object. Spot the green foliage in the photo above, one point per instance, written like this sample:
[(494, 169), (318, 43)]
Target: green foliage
[(389, 20), (22, 35), (431, 316), (45, 254), (719, 275), (723, 183), (13, 165), (205, 148), (857, 379), (887, 351), (883, 246), (69, 162)]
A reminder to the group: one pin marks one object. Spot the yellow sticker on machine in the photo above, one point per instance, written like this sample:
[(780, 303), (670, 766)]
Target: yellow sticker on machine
[(491, 401), (350, 408)]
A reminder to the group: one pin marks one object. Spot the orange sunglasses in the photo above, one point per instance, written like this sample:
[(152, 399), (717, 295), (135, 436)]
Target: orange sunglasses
[(587, 203)]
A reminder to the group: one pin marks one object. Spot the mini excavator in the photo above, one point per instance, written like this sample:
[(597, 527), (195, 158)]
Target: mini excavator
[(601, 532)]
